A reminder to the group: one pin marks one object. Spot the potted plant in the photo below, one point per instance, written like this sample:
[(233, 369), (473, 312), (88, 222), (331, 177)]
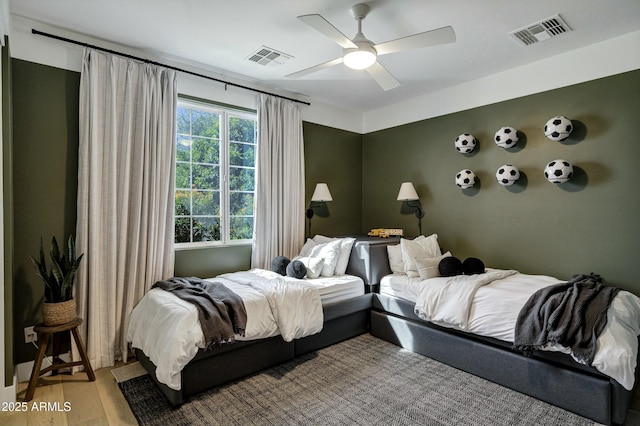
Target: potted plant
[(59, 305)]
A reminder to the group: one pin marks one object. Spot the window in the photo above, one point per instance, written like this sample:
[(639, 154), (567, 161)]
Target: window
[(215, 174)]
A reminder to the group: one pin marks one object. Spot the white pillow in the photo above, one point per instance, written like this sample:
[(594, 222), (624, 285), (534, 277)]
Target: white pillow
[(330, 252), (428, 266), (306, 249), (395, 259), (418, 247), (345, 254), (322, 239), (314, 265), (345, 251)]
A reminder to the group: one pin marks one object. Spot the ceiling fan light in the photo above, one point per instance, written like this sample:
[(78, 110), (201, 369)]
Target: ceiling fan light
[(359, 59)]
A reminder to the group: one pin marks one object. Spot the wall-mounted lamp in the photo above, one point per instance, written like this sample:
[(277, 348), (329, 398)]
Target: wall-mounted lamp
[(320, 196), (408, 193)]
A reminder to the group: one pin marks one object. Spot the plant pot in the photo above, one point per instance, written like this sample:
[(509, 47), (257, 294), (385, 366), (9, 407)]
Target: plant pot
[(58, 313)]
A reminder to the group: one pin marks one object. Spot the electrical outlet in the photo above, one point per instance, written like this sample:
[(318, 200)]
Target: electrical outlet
[(30, 335)]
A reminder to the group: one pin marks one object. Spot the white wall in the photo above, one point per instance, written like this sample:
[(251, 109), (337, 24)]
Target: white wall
[(610, 57), (47, 51), (614, 56)]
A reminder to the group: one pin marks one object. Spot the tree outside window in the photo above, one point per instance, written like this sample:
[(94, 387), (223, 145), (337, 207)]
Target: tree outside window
[(215, 174)]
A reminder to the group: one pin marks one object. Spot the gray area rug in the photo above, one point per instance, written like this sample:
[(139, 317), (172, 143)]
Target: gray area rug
[(362, 381)]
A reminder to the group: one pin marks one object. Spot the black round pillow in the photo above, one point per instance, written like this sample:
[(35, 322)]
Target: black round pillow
[(296, 269), (472, 265), (450, 266), (279, 265)]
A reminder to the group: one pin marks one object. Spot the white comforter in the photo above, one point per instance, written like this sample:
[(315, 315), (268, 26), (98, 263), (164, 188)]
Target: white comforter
[(447, 300), (295, 304), (488, 305), (167, 329)]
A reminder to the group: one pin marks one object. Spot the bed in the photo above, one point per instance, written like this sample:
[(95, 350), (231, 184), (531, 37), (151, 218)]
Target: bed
[(481, 343), (309, 314)]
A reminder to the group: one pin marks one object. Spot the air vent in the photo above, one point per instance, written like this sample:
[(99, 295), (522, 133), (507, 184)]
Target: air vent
[(268, 57), (540, 31)]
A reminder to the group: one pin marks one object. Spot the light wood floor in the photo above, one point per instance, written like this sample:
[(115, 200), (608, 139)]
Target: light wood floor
[(102, 403), (88, 403)]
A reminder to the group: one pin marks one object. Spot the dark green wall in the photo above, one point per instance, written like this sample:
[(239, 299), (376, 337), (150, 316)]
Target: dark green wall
[(334, 157), (7, 192), (45, 145), (45, 174), (589, 224), (212, 261)]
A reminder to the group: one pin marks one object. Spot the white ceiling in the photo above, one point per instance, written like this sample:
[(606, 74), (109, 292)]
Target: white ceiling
[(220, 35)]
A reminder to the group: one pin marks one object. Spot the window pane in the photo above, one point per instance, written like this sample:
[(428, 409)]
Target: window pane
[(204, 123), (183, 203), (241, 204), (242, 154), (183, 230), (206, 229), (206, 177), (183, 171), (206, 203), (241, 228), (183, 120), (206, 150), (241, 179), (242, 129), (183, 148)]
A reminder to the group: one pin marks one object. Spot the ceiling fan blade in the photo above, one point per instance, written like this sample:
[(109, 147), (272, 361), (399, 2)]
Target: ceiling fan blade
[(382, 76), (428, 38), (322, 25), (315, 68)]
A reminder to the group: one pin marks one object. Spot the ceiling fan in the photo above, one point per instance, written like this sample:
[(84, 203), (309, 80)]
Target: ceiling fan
[(361, 53)]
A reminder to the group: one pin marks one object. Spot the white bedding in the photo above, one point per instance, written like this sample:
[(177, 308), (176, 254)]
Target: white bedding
[(167, 328), (495, 307)]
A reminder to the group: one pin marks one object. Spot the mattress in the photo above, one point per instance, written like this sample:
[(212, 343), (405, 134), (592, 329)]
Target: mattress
[(495, 309), (337, 288)]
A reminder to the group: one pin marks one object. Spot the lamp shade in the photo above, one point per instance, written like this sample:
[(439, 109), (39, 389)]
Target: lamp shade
[(407, 192), (321, 193)]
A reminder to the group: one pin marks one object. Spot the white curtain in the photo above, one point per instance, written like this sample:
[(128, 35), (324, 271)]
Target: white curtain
[(279, 224), (126, 181)]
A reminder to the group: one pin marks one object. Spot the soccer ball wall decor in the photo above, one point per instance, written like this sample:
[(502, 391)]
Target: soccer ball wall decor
[(466, 143), (558, 171), (465, 179), (558, 128), (507, 175), (506, 137)]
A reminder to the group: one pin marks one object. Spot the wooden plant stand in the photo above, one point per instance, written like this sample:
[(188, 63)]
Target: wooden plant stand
[(47, 332)]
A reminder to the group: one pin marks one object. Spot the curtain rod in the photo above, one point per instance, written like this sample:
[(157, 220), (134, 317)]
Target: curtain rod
[(148, 61)]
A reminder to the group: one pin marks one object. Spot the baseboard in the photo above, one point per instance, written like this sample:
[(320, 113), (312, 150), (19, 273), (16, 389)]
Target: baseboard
[(8, 393), (23, 370)]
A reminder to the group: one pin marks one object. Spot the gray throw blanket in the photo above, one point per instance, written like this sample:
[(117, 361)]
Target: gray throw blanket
[(221, 312), (571, 314)]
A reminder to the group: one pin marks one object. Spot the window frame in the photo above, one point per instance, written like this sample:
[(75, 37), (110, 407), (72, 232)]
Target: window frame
[(225, 112)]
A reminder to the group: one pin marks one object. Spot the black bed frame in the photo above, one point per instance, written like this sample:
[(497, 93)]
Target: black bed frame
[(551, 377), (548, 376), (342, 320)]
